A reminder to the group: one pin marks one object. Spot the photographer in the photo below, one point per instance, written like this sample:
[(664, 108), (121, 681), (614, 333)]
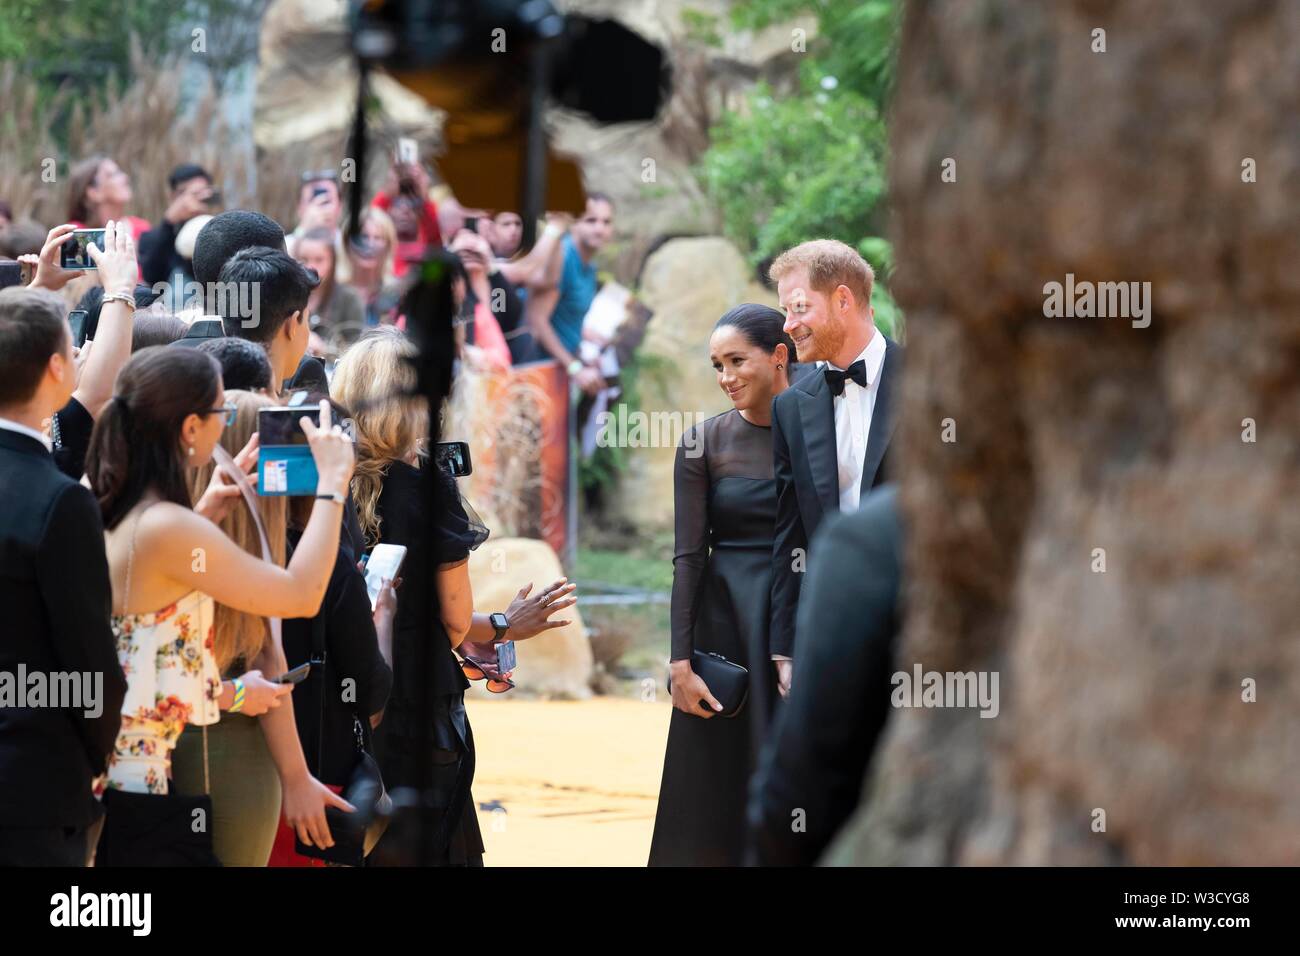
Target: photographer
[(191, 195), (320, 204), (406, 198)]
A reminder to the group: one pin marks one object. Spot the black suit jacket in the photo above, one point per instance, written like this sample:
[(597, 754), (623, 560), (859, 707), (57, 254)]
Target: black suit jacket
[(823, 737), (55, 600), (806, 467)]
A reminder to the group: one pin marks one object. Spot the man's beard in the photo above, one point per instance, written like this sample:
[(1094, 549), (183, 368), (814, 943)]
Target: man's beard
[(826, 344)]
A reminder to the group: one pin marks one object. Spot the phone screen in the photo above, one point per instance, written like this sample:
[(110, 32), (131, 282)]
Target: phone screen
[(73, 254), (77, 320), (280, 426), (453, 458)]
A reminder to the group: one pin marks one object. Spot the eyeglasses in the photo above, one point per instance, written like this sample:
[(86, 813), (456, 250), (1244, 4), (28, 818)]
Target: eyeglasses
[(311, 177), (227, 409)]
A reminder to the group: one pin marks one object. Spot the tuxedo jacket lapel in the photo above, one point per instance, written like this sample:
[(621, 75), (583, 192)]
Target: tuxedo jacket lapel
[(883, 416), (817, 413)]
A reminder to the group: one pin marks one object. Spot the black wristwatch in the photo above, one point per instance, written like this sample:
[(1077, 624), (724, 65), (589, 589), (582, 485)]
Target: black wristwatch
[(501, 624)]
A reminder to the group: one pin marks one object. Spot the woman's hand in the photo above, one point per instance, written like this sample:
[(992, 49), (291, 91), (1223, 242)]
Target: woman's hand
[(303, 803), (49, 274), (386, 602), (260, 694), (118, 270), (529, 616), (222, 493), (689, 691), (330, 449)]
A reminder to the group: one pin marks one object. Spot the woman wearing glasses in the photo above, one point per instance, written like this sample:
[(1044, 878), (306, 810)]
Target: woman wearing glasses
[(169, 562)]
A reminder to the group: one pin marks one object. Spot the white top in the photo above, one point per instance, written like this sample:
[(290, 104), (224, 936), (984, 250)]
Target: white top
[(853, 410), (12, 426)]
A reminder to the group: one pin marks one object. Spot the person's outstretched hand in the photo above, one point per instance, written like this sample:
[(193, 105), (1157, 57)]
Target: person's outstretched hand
[(222, 493), (529, 616), (49, 274)]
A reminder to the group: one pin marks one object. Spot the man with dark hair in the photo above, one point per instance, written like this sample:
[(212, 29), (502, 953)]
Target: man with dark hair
[(226, 234), (558, 301), (191, 195), (265, 292), (244, 364), (54, 587)]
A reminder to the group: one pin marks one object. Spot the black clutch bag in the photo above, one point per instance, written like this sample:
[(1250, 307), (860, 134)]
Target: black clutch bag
[(726, 680), (355, 834)]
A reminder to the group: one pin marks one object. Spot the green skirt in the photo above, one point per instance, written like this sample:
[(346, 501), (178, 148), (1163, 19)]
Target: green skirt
[(245, 786)]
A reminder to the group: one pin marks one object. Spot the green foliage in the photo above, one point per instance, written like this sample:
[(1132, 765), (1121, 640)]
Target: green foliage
[(798, 168), (861, 55), (812, 164), (79, 44)]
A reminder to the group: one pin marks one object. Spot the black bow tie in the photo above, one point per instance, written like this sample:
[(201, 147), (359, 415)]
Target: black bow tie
[(836, 378)]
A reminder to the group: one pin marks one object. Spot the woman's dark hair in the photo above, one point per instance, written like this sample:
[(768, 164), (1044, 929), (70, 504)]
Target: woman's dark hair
[(136, 442), (152, 329), (761, 325), (80, 178)]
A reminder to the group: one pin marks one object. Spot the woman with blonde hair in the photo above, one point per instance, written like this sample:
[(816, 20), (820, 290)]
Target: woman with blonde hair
[(368, 267), (371, 379)]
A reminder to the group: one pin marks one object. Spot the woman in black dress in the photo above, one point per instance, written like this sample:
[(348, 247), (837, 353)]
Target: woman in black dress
[(725, 511), (426, 708)]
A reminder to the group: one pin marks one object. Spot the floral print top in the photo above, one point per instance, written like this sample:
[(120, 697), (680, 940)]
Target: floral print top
[(171, 680)]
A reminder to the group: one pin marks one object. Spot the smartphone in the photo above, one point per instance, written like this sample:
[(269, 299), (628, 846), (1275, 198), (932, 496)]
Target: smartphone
[(506, 661), (407, 151), (383, 562), (77, 320), (471, 223), (284, 462), (453, 458), (11, 273), (214, 198), (295, 676), (73, 254)]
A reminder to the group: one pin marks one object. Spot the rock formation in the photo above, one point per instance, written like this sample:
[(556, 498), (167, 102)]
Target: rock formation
[(555, 663)]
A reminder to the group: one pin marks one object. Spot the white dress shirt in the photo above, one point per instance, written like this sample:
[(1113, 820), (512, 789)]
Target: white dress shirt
[(853, 411), (12, 426)]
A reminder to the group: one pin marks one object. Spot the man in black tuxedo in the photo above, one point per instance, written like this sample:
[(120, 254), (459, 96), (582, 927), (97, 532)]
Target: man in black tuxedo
[(813, 765), (831, 427), (56, 600)]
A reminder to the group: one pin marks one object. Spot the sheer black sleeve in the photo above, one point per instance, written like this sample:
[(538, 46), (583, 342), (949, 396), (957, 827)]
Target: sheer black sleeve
[(691, 534)]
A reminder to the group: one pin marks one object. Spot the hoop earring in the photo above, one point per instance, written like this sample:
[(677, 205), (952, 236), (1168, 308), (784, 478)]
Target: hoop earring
[(779, 366)]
